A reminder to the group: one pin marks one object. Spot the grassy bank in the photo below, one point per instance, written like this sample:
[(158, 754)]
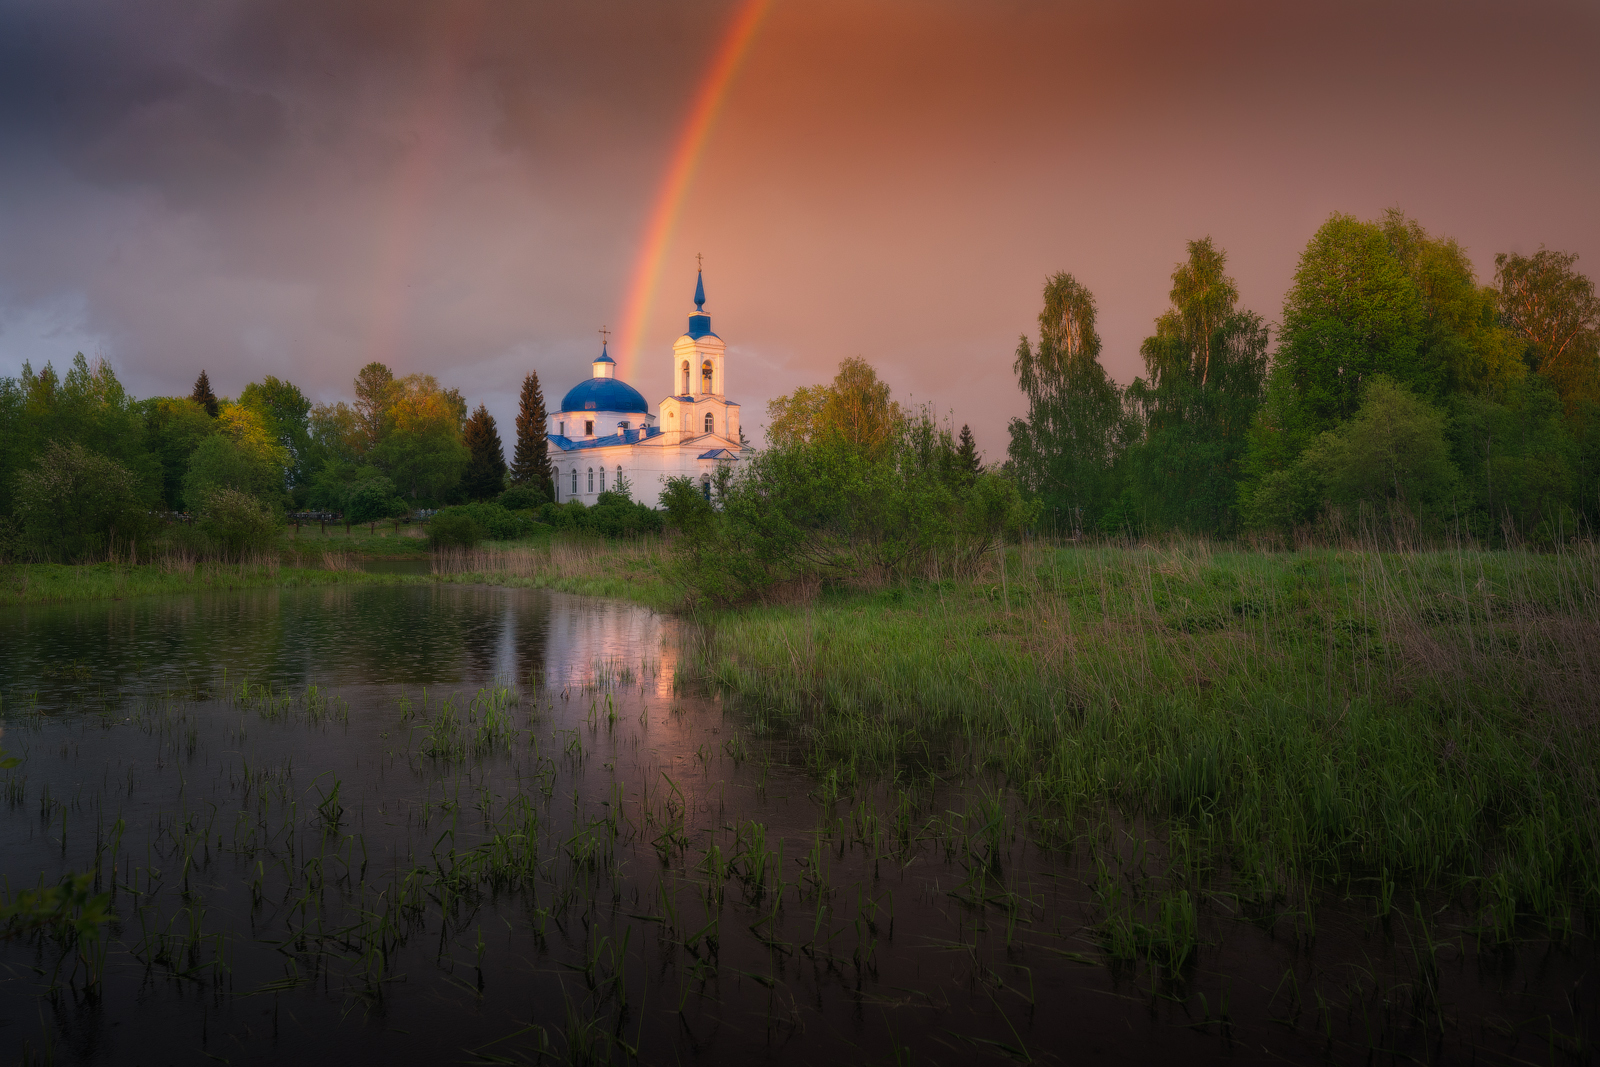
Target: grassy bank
[(635, 569), (1391, 723), (42, 583)]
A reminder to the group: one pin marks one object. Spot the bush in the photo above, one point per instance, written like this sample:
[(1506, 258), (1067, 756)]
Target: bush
[(238, 523), (372, 500), (613, 515), (76, 505), (835, 511), (523, 498), (454, 528), (491, 521)]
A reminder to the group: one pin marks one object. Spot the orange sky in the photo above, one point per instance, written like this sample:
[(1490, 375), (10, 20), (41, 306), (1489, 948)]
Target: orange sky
[(465, 189)]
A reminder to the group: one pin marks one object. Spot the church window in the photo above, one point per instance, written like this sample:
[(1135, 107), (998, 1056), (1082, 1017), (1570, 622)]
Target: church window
[(705, 486), (624, 426), (602, 479), (617, 485), (685, 377), (574, 481), (711, 422), (588, 428), (705, 377), (563, 431), (591, 479)]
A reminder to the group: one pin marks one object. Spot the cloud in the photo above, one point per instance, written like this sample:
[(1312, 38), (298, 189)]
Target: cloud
[(297, 187)]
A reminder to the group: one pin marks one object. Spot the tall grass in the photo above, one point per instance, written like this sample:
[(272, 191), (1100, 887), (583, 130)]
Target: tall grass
[(639, 568), (1425, 716), (176, 572)]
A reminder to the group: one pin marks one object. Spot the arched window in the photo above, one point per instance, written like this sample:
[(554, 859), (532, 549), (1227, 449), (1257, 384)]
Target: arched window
[(711, 422), (705, 486), (617, 485), (685, 377), (705, 377), (591, 479), (563, 431), (574, 481), (602, 479)]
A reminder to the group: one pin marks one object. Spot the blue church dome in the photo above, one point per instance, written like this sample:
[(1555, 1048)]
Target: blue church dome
[(604, 394)]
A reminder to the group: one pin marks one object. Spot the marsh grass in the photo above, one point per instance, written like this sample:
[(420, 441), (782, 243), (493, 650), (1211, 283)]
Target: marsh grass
[(1346, 716), (38, 583), (639, 569)]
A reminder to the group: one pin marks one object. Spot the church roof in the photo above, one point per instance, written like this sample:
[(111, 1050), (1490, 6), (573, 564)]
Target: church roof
[(604, 394), (626, 437), (719, 453)]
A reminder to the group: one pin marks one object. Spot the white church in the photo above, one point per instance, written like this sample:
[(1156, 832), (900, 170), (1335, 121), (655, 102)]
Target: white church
[(605, 433)]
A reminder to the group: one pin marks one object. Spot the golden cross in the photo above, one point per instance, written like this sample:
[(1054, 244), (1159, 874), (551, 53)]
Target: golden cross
[(605, 333), (699, 261)]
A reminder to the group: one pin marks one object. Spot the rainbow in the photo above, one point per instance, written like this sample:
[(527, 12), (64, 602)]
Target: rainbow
[(708, 100)]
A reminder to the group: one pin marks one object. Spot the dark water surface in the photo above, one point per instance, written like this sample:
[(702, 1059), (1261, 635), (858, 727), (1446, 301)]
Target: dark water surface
[(438, 824)]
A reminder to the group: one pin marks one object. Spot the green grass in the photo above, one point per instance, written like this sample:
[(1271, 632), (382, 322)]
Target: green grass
[(307, 545), (1347, 717), (41, 583), (638, 570)]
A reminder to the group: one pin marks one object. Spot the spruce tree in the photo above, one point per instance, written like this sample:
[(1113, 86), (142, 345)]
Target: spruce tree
[(203, 395), (967, 455), (530, 465), (485, 476)]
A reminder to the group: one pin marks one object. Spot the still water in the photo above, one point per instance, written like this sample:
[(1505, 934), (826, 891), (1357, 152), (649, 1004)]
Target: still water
[(438, 824)]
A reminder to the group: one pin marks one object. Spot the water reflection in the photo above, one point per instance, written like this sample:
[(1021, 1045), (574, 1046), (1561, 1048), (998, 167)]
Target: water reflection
[(435, 634)]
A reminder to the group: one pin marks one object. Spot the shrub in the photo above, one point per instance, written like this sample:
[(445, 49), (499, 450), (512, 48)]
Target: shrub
[(523, 498), (454, 528), (372, 500), (75, 505), (238, 523)]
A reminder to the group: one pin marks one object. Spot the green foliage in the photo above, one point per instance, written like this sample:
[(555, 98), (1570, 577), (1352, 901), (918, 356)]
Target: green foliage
[(1063, 452), (222, 461), (1205, 374), (88, 406), (855, 406), (485, 475), (527, 496), (1554, 310), (834, 510), (615, 514), (421, 446), (76, 505), (237, 522), (1391, 457), (530, 465), (454, 528), (203, 396), (373, 499), (286, 414), (1353, 311), (493, 521), (1519, 459), (174, 428)]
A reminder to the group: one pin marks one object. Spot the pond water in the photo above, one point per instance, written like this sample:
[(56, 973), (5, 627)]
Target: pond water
[(440, 823)]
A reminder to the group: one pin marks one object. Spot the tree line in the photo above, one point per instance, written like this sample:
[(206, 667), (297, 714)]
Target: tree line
[(85, 469), (1401, 394)]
